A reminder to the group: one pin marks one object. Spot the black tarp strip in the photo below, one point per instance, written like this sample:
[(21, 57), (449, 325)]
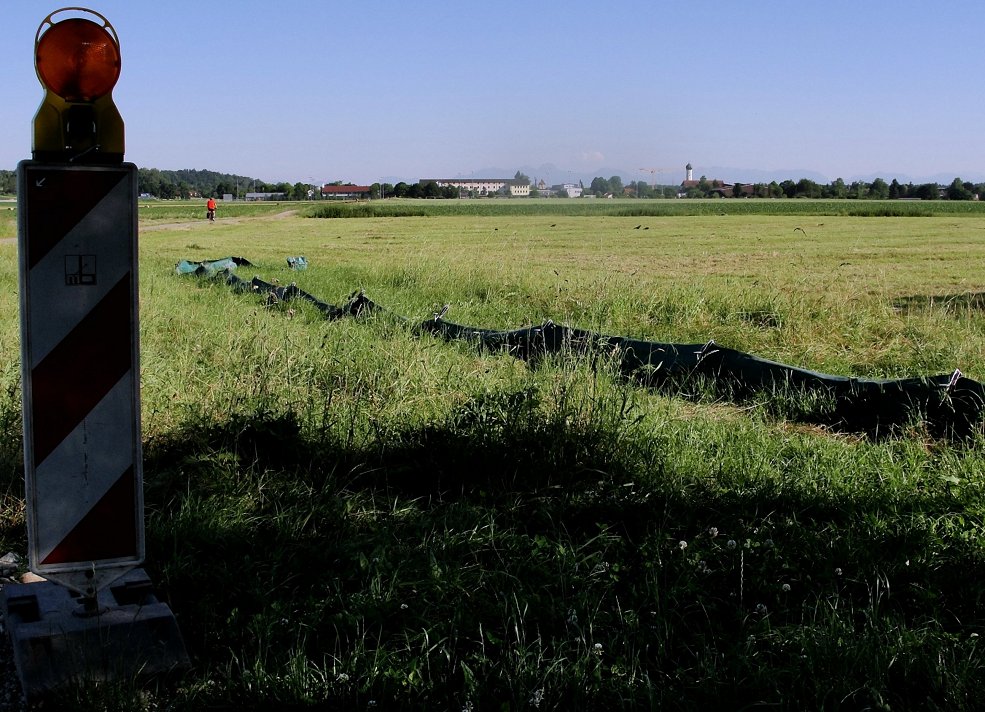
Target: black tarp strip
[(951, 405)]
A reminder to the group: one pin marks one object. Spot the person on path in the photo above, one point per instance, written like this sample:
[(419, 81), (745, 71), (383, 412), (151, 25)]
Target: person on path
[(210, 209)]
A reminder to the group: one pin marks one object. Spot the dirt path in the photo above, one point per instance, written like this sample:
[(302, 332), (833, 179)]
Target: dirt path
[(187, 225)]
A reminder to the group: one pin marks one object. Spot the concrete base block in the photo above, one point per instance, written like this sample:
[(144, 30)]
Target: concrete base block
[(126, 635)]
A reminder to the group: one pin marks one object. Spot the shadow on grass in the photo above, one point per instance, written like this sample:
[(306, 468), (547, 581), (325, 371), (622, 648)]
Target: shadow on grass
[(949, 303), (508, 557)]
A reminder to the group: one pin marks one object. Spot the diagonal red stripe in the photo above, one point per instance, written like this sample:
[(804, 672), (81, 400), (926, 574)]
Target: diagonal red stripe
[(107, 531), (71, 380), (60, 202)]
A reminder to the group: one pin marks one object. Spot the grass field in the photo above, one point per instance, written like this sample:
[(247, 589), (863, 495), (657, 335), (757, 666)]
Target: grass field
[(352, 515)]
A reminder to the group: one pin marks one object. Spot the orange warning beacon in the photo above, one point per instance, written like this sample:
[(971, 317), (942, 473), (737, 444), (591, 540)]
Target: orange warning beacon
[(78, 62)]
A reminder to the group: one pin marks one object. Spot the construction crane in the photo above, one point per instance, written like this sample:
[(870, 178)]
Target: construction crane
[(654, 171)]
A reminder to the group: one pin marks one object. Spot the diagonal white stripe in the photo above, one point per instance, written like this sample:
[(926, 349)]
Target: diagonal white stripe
[(56, 307), (80, 471)]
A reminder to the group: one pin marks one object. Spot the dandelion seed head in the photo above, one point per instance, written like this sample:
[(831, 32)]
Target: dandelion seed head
[(731, 544), (786, 588), (761, 609), (838, 571), (713, 532), (682, 544)]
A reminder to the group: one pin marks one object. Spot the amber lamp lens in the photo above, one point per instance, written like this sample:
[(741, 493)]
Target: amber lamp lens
[(78, 60)]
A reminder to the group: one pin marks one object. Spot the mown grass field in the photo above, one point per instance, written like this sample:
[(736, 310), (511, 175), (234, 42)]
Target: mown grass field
[(352, 515)]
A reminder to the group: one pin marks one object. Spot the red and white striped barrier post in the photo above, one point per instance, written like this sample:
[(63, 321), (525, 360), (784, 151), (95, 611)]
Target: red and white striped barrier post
[(80, 364), (77, 245)]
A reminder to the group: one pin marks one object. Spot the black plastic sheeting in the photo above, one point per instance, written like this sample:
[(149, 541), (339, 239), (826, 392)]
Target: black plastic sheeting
[(950, 405)]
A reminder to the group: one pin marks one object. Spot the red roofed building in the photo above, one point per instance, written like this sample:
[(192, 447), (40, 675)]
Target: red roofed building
[(345, 192)]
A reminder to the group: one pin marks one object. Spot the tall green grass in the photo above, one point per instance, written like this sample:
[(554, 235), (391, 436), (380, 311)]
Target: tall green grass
[(8, 221), (350, 515)]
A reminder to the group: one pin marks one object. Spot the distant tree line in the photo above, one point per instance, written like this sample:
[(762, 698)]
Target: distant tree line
[(188, 183), (878, 189), (426, 189), (601, 187)]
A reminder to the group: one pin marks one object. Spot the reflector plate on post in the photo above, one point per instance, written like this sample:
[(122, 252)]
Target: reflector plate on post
[(80, 366)]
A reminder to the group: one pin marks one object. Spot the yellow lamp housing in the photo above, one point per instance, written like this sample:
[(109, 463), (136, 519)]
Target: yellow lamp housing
[(78, 62)]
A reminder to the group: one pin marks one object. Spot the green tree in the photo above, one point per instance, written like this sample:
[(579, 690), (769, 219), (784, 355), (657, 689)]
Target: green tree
[(879, 189), (8, 182), (521, 177), (600, 186), (430, 189), (299, 191), (858, 189), (958, 191), (615, 186), (836, 189), (807, 188), (895, 190), (927, 191)]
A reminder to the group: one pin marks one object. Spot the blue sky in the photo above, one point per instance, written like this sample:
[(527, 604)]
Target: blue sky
[(324, 91)]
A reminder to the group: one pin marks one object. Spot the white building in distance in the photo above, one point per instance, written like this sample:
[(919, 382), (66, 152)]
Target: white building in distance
[(483, 186)]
